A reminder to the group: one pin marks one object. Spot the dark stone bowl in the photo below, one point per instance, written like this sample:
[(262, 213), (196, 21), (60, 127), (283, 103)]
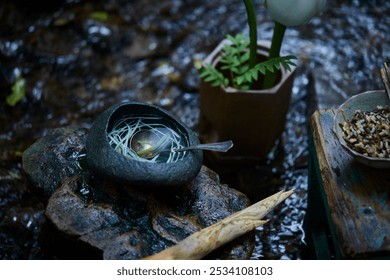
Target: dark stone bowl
[(105, 162)]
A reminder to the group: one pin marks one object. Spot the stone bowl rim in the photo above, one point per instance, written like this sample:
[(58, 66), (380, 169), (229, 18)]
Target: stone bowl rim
[(347, 108)]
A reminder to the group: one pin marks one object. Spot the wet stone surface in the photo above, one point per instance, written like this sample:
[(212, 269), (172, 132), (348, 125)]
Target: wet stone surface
[(76, 64), (117, 221), (53, 158)]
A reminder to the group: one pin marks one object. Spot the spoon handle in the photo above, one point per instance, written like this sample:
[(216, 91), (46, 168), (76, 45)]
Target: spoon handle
[(218, 147)]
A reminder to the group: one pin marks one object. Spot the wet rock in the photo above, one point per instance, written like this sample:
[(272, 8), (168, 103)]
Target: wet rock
[(113, 221), (21, 219), (138, 223), (60, 48), (53, 158), (142, 46)]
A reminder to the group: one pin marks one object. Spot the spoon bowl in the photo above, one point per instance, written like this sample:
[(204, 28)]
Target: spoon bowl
[(148, 143)]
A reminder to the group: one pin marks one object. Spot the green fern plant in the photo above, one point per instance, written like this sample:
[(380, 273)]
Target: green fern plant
[(235, 62)]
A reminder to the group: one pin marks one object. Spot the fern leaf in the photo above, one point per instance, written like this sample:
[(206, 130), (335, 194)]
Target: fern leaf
[(240, 80), (248, 76), (213, 76), (243, 69), (216, 83), (237, 39), (234, 59), (203, 73), (244, 58), (270, 65), (255, 75), (231, 38)]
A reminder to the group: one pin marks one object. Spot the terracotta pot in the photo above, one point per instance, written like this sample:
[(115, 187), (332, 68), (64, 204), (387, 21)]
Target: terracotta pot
[(253, 119)]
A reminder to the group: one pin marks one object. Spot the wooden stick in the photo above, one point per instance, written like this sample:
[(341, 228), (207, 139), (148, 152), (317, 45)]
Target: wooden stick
[(384, 79), (385, 73), (208, 239)]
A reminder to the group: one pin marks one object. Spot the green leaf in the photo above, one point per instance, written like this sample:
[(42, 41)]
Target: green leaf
[(271, 65), (225, 60), (255, 75), (240, 80), (227, 49), (99, 15), (213, 76), (234, 59), (270, 68), (248, 76), (216, 83), (243, 69), (243, 45), (202, 73), (225, 82), (244, 57), (18, 91), (231, 38)]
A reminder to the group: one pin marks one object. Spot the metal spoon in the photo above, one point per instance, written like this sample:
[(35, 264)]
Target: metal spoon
[(147, 144)]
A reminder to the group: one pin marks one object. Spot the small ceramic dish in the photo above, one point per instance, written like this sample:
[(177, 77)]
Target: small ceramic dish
[(367, 101)]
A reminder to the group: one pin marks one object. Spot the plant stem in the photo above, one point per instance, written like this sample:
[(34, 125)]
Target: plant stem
[(252, 32), (277, 39)]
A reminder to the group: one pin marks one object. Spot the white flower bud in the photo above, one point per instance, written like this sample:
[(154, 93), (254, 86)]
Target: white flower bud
[(294, 12)]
